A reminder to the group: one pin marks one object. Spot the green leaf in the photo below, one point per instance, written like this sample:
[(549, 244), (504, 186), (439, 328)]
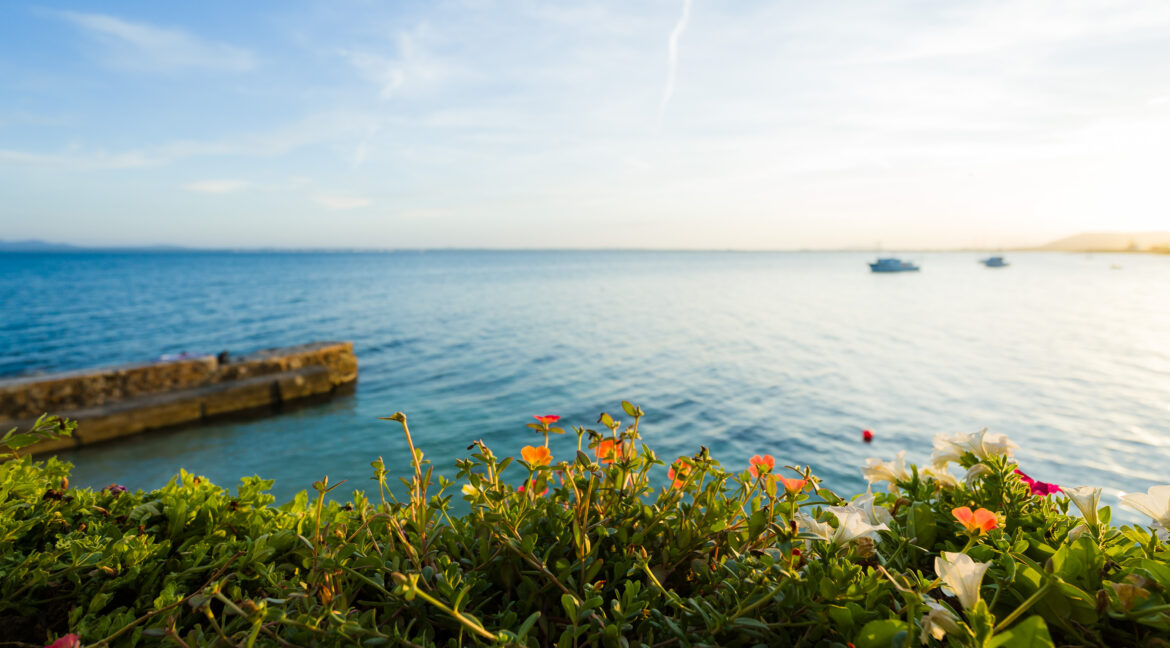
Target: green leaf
[(18, 441), (629, 408), (879, 634), (1029, 633)]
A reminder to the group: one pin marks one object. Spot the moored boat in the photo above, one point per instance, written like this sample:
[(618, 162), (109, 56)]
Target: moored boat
[(892, 265)]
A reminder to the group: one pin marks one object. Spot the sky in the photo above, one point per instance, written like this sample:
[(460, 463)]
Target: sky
[(680, 124)]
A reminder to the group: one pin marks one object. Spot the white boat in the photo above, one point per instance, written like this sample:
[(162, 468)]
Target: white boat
[(892, 265)]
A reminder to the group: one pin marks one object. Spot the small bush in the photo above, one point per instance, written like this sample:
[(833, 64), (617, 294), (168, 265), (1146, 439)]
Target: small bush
[(577, 548)]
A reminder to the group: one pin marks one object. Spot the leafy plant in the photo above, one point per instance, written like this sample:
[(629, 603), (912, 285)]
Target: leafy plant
[(578, 546)]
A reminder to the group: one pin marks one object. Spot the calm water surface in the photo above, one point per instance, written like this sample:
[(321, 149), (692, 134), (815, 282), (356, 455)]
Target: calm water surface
[(786, 353)]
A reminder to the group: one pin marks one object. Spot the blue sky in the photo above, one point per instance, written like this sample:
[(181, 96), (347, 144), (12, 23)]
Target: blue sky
[(663, 124)]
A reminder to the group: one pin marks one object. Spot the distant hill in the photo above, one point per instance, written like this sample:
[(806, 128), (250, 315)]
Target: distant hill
[(1111, 242), (34, 245)]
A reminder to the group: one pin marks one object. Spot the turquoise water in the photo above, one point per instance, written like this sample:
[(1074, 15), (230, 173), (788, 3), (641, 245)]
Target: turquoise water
[(784, 353)]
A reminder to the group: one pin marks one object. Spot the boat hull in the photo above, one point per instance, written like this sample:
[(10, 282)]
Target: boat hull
[(876, 268)]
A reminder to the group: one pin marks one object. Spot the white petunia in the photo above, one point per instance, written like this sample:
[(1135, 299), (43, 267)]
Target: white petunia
[(939, 474), (975, 473), (812, 529), (1087, 499), (1154, 503), (962, 576), (863, 505), (937, 622), (981, 444), (894, 471), (851, 525)]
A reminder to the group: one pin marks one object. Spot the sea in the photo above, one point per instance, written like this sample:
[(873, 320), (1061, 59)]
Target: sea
[(791, 354)]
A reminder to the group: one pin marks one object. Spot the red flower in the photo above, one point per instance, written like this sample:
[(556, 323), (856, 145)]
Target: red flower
[(866, 436), (608, 451), (520, 489), (547, 419), (759, 464), (978, 522), (1043, 489), (679, 471), (68, 641)]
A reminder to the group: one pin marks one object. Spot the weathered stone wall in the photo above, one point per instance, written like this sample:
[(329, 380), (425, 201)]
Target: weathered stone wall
[(119, 401)]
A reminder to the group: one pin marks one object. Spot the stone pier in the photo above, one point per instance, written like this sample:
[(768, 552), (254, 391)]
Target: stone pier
[(120, 401)]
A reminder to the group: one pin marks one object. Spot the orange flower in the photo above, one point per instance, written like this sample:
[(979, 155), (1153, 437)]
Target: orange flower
[(537, 456), (608, 451), (759, 464), (547, 419), (978, 522), (679, 471), (792, 485)]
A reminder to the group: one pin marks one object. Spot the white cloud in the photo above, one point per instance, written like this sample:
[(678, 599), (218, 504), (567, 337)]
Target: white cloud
[(337, 202), (312, 130), (672, 55), (142, 46), (216, 186)]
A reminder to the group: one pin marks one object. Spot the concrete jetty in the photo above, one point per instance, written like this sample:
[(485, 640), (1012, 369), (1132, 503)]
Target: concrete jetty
[(120, 401)]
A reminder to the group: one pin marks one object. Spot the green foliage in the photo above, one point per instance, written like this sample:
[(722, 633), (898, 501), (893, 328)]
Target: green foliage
[(715, 558)]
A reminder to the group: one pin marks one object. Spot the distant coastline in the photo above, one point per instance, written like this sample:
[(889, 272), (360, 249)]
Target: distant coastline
[(1087, 243)]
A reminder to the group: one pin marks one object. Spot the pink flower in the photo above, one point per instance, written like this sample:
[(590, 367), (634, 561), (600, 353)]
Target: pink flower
[(114, 489), (866, 436), (1043, 489), (68, 641), (547, 419), (520, 489)]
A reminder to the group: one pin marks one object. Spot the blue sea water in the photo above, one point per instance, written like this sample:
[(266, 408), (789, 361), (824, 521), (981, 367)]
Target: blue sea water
[(784, 353)]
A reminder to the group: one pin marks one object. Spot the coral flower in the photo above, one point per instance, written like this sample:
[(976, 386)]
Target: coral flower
[(608, 451), (1043, 489), (978, 522), (68, 641), (866, 436), (547, 419), (792, 485), (679, 471), (763, 464), (537, 456)]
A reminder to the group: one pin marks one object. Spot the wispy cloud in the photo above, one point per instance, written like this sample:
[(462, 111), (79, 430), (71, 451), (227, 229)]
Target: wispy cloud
[(337, 202), (216, 186), (313, 130), (143, 46), (672, 56)]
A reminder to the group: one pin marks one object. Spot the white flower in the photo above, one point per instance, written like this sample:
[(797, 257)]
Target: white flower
[(940, 475), (851, 525), (1154, 503), (975, 473), (812, 529), (864, 506), (894, 471), (962, 576), (1077, 531), (1087, 500), (981, 444), (468, 489), (938, 621)]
